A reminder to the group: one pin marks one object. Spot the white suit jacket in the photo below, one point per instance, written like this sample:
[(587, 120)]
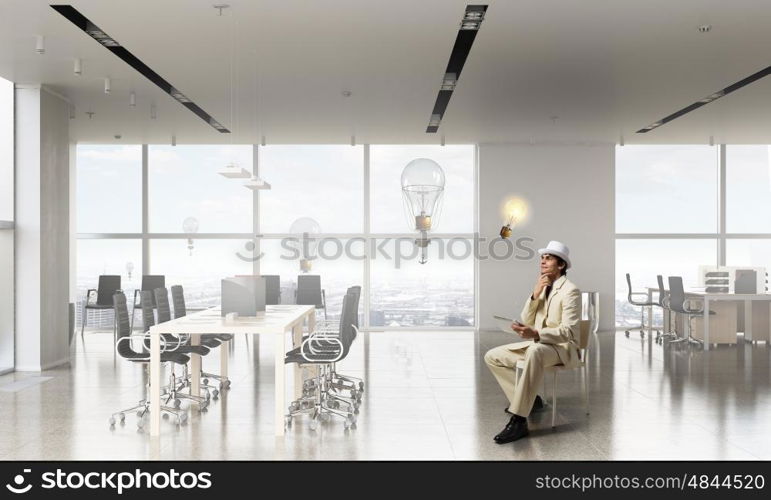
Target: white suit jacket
[(557, 320)]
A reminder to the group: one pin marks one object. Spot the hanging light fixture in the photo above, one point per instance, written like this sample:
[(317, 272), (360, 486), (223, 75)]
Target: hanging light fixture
[(190, 227), (422, 191), (233, 171), (305, 242)]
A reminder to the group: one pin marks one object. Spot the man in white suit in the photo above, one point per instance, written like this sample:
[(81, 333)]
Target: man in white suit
[(550, 324)]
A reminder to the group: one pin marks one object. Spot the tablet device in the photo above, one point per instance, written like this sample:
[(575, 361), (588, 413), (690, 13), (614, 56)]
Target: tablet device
[(504, 323)]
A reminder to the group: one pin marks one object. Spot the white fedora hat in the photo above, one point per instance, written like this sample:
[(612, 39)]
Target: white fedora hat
[(559, 249)]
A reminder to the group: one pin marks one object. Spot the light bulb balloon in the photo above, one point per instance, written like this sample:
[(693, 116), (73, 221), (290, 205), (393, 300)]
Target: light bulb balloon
[(305, 231), (190, 227), (422, 190)]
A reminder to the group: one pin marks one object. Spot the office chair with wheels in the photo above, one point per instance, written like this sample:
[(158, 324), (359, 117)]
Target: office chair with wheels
[(664, 304), (323, 404), (272, 289), (209, 340), (125, 350), (679, 303), (337, 381), (309, 292), (173, 344), (642, 305), (108, 286), (149, 283)]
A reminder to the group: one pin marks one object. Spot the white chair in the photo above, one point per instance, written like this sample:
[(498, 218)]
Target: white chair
[(583, 349)]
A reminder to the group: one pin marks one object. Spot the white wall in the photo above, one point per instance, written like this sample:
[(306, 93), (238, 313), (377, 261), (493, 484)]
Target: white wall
[(42, 229), (570, 195)]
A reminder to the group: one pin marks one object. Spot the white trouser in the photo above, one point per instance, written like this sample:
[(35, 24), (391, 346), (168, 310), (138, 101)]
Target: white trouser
[(521, 391)]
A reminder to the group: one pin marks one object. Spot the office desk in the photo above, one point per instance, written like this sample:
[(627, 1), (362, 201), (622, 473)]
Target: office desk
[(746, 298), (278, 321)]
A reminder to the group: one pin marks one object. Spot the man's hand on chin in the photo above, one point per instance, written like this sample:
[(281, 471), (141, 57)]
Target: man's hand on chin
[(526, 332)]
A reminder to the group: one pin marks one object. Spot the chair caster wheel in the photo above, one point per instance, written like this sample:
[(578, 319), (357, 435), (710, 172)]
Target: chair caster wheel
[(356, 411), (215, 394), (112, 421), (626, 333), (361, 386), (177, 403), (288, 421), (165, 415), (206, 381), (346, 425)]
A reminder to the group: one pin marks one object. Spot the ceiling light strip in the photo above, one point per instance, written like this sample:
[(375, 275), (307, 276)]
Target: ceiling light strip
[(467, 32), (92, 30), (708, 99)]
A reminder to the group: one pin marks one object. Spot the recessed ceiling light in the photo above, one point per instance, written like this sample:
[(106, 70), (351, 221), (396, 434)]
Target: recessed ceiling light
[(40, 46), (78, 68), (83, 23), (708, 99), (469, 25), (705, 28)]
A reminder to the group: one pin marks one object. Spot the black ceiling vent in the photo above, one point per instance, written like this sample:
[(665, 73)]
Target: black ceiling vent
[(116, 48), (469, 25), (706, 100)]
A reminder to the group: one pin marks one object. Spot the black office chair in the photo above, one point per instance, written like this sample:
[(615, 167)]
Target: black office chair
[(309, 292), (149, 283), (173, 344), (678, 302), (272, 289), (322, 353), (642, 305), (125, 350), (663, 301), (109, 285), (209, 340)]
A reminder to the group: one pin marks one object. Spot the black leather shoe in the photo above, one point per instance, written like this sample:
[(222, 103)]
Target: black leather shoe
[(537, 405), (515, 429)]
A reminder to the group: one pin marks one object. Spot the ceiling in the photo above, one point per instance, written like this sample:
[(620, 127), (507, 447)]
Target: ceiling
[(540, 71)]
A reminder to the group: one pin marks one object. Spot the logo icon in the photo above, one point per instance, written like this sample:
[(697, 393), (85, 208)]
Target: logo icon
[(18, 480)]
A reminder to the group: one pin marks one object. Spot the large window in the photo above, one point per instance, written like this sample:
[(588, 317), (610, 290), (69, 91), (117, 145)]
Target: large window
[(321, 182), (666, 189), (185, 183), (644, 259), (438, 293), (325, 183), (96, 257), (387, 211), (669, 198), (109, 189), (198, 266), (748, 173)]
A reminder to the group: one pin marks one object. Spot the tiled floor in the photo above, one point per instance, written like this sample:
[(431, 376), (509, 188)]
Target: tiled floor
[(429, 396)]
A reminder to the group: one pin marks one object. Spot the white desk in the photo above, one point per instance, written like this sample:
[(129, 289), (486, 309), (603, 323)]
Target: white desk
[(747, 298), (276, 320)]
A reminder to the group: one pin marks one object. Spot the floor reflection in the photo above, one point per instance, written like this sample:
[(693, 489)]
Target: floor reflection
[(428, 396)]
